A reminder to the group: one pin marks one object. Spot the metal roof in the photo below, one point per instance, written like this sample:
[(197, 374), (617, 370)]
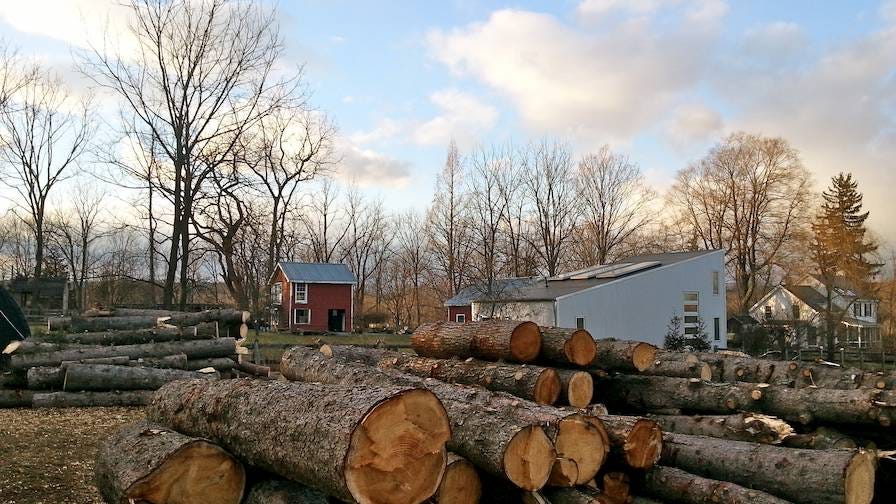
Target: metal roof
[(549, 289), (317, 272)]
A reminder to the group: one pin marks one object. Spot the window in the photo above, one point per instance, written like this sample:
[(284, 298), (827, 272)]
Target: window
[(867, 309), (580, 322), (301, 294), (460, 317), (716, 329), (302, 316), (856, 310), (795, 309), (715, 283), (691, 305), (277, 294), (768, 312)]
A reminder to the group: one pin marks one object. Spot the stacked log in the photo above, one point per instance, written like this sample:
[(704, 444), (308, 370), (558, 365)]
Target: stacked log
[(487, 340)]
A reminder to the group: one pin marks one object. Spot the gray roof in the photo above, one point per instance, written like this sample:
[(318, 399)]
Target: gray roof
[(317, 272), (549, 289)]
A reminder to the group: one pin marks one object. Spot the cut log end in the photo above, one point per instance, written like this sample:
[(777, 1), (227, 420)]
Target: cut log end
[(529, 458), (565, 473), (461, 483), (200, 472), (399, 449), (705, 371), (547, 387), (643, 356), (525, 342), (580, 348), (580, 389), (644, 444), (860, 478), (584, 440)]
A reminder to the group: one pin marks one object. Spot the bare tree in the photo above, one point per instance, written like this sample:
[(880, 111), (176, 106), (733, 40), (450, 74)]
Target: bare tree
[(324, 223), (43, 133), (512, 187), (412, 253), (366, 244), (74, 233), (202, 75), (449, 229), (615, 199)]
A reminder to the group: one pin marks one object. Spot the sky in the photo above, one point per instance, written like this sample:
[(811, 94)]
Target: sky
[(660, 80)]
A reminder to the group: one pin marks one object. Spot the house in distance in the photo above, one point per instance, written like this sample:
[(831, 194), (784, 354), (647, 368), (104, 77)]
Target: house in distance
[(634, 298), (312, 297)]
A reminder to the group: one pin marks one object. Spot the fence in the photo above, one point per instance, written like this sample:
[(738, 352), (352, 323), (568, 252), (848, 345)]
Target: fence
[(852, 356)]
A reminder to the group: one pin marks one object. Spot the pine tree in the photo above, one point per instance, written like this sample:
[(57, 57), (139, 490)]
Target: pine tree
[(840, 249), (674, 339)]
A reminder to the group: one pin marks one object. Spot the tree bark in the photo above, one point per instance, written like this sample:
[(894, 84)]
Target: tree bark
[(97, 324), (677, 486), (580, 495), (254, 369), (802, 476), (137, 336), (196, 349), (751, 427), (89, 399), (15, 398), (487, 340), (87, 377), (461, 484), (351, 442), (224, 316), (10, 380), (219, 363), (176, 361), (565, 347), (280, 491), (625, 356), (679, 369), (576, 387), (143, 462), (40, 378), (58, 323), (822, 438)]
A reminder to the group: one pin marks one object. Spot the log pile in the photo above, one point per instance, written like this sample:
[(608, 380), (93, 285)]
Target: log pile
[(118, 358)]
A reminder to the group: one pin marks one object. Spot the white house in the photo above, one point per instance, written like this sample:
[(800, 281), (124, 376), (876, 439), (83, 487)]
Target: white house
[(802, 306), (631, 299)]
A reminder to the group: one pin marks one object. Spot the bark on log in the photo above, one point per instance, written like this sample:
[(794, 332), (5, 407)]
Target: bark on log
[(356, 443), (119, 360), (627, 356), (40, 378), (196, 349), (566, 347), (487, 340), (576, 387), (176, 361), (679, 369), (676, 486), (15, 398), (802, 476), (143, 462), (218, 363), (580, 495), (89, 399), (254, 369), (137, 336), (616, 485), (279, 491), (224, 316), (751, 427), (34, 345), (534, 383), (10, 380), (88, 377), (501, 444), (58, 323), (98, 324), (461, 483), (822, 438)]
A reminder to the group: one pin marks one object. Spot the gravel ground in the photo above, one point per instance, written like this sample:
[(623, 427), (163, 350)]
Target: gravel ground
[(46, 455)]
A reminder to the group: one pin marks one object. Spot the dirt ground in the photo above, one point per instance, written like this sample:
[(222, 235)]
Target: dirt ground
[(46, 455)]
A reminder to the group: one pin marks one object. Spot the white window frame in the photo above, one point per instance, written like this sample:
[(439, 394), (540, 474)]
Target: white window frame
[(277, 294), (295, 319), (716, 280), (295, 293), (460, 317), (582, 324)]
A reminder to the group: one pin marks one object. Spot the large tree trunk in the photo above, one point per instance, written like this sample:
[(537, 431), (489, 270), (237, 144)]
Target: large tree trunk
[(488, 340), (461, 484), (15, 398), (351, 442), (576, 387), (96, 324), (279, 491), (625, 356), (566, 347), (88, 399), (197, 349), (535, 383), (751, 427), (40, 378), (677, 486), (107, 377), (498, 440), (137, 336), (802, 476), (143, 462)]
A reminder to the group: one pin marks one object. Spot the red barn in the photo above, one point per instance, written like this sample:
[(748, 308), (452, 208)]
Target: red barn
[(314, 297)]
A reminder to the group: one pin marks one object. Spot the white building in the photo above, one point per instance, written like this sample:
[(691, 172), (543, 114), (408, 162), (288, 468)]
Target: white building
[(801, 307), (631, 299)]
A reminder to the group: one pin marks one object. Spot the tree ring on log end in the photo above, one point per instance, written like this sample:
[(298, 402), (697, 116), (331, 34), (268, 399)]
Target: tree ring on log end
[(860, 478), (580, 389), (643, 356), (584, 441), (705, 372), (460, 484), (644, 444), (547, 387), (580, 348), (399, 450), (529, 458), (525, 342)]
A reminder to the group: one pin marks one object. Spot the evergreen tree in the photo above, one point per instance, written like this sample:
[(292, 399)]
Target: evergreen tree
[(674, 339), (840, 248), (699, 342)]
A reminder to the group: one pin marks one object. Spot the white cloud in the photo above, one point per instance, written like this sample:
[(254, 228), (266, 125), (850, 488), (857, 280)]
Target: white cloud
[(81, 23), (594, 9), (368, 168), (385, 129), (692, 124), (464, 118)]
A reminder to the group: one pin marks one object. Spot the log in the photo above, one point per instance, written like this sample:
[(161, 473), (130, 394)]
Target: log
[(616, 485), (566, 347), (220, 347), (11, 380), (35, 345), (580, 495), (535, 383), (137, 336), (355, 442), (487, 340), (254, 369), (280, 491), (89, 399), (823, 438), (142, 462), (58, 323), (224, 316), (504, 445), (626, 356), (637, 441), (108, 377), (679, 369), (218, 363), (677, 486), (81, 324), (176, 361), (15, 398), (576, 387), (461, 484), (801, 476), (118, 360), (752, 427), (46, 378), (564, 473)]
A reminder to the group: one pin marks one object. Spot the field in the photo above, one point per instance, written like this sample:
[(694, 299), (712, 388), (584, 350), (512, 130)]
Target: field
[(47, 455)]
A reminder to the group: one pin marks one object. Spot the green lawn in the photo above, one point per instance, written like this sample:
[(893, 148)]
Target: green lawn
[(270, 338)]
